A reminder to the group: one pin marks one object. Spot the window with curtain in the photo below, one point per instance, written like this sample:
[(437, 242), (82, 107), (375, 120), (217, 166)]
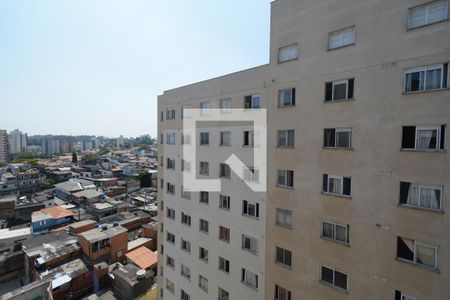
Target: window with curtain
[(282, 293), (421, 196), (428, 13), (426, 78), (283, 217), (417, 252)]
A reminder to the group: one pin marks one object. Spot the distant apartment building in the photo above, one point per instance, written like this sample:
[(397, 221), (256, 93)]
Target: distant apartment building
[(17, 142), (50, 146), (4, 146), (120, 143), (358, 110)]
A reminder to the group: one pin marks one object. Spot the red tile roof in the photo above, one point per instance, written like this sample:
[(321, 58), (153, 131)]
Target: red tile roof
[(57, 212)]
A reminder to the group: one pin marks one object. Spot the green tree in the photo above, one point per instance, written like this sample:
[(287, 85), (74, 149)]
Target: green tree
[(74, 158), (90, 159), (145, 179)]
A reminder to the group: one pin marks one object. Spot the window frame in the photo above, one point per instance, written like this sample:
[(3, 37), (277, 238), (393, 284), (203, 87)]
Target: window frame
[(288, 47), (426, 5), (244, 278), (205, 108), (224, 265), (251, 239), (414, 261), (340, 32), (225, 109), (224, 234), (224, 167), (221, 141), (283, 211), (335, 225), (203, 286), (292, 101), (245, 209), (182, 246), (288, 141), (333, 285), (221, 202), (444, 67), (183, 272), (284, 252), (286, 181)]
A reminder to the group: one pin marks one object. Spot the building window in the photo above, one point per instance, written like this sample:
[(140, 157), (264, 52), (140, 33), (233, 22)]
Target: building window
[(203, 254), (284, 257), (400, 296), (170, 113), (417, 252), (224, 171), (204, 138), (170, 237), (426, 78), (186, 139), (161, 138), (340, 138), (251, 174), (337, 185), (423, 137), (204, 197), (334, 278), (170, 164), (225, 138), (341, 38), (170, 261), (287, 53), (249, 278), (224, 202), (250, 209), (204, 168), (204, 226), (170, 213), (251, 138), (286, 138), (223, 295), (203, 283), (420, 196), (285, 178), (252, 102), (286, 97), (428, 13), (335, 232), (170, 138), (170, 286), (161, 116), (186, 112), (170, 189), (185, 272), (204, 108), (250, 244), (184, 295), (185, 194), (224, 264), (339, 90), (282, 293), (224, 234), (185, 165), (283, 218), (161, 183), (186, 245), (185, 219), (225, 105)]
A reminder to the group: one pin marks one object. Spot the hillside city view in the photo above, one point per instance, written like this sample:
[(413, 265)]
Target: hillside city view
[(230, 150)]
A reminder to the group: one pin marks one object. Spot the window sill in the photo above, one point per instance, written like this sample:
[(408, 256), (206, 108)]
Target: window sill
[(284, 226), (225, 177), (338, 148), (224, 240), (423, 150), (286, 147), (340, 100), (204, 260), (184, 250), (204, 203), (340, 47), (283, 265), (249, 285), (224, 272), (335, 241), (224, 145), (337, 195), (251, 217), (438, 211), (333, 286), (285, 187), (425, 91), (185, 277), (286, 61), (251, 252), (435, 270), (225, 209), (426, 25), (286, 106)]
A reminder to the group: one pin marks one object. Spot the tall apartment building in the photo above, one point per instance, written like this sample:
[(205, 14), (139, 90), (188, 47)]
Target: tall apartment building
[(17, 141), (50, 146), (4, 146), (358, 107)]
